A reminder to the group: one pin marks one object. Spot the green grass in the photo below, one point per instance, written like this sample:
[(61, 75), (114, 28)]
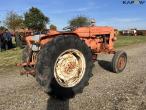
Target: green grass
[(9, 58), (129, 40)]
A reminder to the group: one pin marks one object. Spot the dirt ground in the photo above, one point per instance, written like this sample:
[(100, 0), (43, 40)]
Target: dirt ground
[(106, 90)]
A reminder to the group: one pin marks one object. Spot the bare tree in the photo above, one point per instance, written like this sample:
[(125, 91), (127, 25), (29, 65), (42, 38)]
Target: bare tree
[(13, 21)]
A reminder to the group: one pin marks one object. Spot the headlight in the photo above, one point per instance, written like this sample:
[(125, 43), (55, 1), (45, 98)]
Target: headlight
[(35, 47)]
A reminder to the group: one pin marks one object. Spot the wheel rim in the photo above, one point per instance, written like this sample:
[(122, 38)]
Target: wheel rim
[(69, 68), (121, 62)]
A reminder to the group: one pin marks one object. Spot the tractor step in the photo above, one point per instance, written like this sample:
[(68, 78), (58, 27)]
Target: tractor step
[(25, 64), (32, 72)]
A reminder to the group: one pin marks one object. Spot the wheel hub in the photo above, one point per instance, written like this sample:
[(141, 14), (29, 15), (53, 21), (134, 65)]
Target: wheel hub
[(69, 68), (121, 63)]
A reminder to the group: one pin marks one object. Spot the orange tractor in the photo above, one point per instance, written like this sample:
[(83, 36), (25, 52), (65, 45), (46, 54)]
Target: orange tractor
[(62, 61)]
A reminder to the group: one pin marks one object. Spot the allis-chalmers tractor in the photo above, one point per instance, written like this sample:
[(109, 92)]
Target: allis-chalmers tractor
[(62, 62)]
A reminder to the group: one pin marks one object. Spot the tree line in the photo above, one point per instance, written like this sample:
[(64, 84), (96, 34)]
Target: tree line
[(36, 20)]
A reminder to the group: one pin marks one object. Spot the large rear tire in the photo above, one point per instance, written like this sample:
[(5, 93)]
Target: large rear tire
[(64, 66), (26, 54), (19, 42)]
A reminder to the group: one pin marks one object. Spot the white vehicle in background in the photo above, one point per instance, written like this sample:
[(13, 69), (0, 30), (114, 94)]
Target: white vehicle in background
[(130, 32)]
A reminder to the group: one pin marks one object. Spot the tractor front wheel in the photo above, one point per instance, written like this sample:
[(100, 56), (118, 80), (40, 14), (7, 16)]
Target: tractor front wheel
[(119, 61), (64, 66)]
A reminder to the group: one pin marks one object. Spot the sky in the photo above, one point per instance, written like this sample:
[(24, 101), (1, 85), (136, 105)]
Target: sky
[(106, 12)]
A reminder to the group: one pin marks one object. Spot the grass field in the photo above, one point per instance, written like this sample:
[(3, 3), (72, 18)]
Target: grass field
[(129, 40), (9, 58)]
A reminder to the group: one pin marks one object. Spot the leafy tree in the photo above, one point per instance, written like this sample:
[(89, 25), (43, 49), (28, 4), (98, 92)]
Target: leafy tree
[(2, 28), (53, 27), (13, 21), (79, 21), (35, 19)]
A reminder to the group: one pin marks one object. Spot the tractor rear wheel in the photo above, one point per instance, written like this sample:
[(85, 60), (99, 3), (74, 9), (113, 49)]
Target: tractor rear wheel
[(64, 66), (26, 54), (19, 42), (119, 61)]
